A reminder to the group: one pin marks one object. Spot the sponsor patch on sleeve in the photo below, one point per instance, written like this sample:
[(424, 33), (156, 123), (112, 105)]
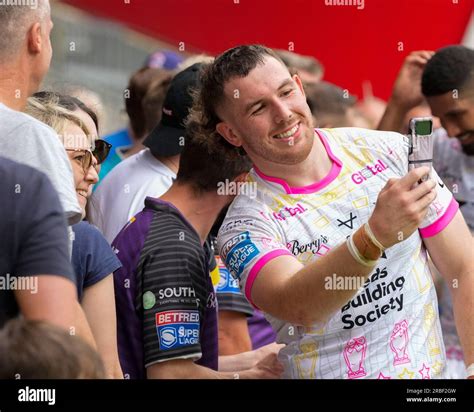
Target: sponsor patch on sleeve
[(177, 329), (227, 283), (242, 252)]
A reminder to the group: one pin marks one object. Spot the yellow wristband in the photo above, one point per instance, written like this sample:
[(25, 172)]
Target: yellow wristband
[(372, 237), (357, 255)]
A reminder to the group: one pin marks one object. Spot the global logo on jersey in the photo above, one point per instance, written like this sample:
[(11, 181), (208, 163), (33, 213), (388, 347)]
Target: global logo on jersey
[(368, 172), (285, 212), (177, 329), (241, 254)]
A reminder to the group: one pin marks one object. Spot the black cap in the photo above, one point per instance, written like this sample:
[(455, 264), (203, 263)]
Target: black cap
[(167, 138)]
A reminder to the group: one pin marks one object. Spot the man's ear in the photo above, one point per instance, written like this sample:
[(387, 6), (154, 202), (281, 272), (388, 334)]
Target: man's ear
[(299, 83), (226, 132), (34, 38)]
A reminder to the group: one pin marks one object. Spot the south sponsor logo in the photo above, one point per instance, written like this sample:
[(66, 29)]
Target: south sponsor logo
[(177, 292), (177, 329), (240, 255)]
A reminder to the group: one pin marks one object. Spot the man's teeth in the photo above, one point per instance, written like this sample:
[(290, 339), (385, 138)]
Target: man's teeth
[(289, 133)]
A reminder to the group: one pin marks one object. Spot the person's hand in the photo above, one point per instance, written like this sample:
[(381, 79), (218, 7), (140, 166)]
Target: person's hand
[(406, 91), (401, 207), (266, 350), (268, 367)]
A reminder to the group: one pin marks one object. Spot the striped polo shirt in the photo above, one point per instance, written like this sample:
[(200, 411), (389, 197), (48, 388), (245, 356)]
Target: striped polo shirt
[(165, 301)]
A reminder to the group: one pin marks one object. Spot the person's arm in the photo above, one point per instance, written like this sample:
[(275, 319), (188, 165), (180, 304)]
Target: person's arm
[(234, 334), (295, 293), (233, 313), (82, 327), (43, 254), (98, 302), (452, 252), (406, 93), (52, 301), (248, 360), (267, 368)]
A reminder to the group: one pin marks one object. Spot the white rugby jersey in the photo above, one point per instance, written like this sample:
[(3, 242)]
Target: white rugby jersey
[(390, 328), (457, 170)]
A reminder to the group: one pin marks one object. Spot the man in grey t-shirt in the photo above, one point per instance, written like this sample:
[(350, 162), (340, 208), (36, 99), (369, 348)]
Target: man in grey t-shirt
[(25, 56)]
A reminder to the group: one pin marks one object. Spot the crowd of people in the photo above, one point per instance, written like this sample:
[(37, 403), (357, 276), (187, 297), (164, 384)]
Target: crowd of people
[(251, 221)]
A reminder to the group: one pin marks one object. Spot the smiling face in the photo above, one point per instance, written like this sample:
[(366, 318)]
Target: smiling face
[(76, 143), (457, 117), (266, 113)]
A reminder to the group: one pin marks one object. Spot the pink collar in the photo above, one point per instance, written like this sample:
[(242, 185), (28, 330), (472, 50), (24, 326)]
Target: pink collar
[(312, 188)]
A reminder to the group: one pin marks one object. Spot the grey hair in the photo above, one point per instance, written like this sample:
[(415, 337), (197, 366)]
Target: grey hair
[(16, 18)]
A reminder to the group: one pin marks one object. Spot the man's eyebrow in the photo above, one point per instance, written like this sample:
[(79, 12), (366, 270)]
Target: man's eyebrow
[(286, 83), (249, 106), (454, 112)]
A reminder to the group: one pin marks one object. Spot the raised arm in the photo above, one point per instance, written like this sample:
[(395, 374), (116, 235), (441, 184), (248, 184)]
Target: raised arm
[(406, 93), (452, 252), (295, 293)]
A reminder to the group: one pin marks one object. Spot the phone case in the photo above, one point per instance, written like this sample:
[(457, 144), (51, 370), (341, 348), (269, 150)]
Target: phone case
[(421, 152)]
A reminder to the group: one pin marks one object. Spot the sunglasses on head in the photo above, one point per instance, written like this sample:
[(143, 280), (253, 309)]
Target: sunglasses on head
[(101, 150)]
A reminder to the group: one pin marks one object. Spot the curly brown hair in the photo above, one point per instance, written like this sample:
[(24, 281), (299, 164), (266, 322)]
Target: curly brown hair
[(203, 118)]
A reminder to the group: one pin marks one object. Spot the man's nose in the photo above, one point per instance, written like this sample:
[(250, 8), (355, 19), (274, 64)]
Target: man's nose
[(282, 112)]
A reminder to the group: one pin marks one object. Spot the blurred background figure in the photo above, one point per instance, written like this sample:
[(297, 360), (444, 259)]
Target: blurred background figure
[(330, 105), (163, 59), (422, 110), (370, 107), (308, 68), (151, 171), (90, 98), (128, 141)]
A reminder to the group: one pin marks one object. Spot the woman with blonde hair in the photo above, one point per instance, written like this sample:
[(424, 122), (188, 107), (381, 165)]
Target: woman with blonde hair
[(92, 257)]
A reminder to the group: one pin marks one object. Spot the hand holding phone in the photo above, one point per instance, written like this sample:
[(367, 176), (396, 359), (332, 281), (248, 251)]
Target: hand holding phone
[(420, 135)]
